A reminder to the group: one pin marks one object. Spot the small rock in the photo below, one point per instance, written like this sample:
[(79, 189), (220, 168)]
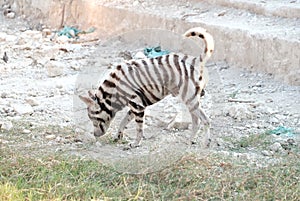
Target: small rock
[(98, 144), (255, 125), (23, 109), (291, 141), (126, 55), (6, 125), (62, 39), (222, 13), (46, 32), (276, 147), (54, 68), (273, 120), (50, 137), (26, 131), (11, 15), (75, 65), (267, 153), (59, 86), (269, 100), (32, 102), (239, 112), (4, 95)]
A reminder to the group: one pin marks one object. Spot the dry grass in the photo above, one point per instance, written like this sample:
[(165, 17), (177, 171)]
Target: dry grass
[(212, 178)]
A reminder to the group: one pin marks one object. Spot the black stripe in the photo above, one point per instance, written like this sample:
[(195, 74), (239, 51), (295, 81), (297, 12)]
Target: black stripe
[(113, 75), (124, 93), (193, 97), (136, 106), (138, 115), (172, 81), (108, 102), (119, 67), (96, 118), (103, 107), (157, 73), (101, 127), (150, 76), (139, 90), (165, 73), (139, 121), (105, 95), (192, 70), (95, 112), (100, 119), (144, 88), (129, 85), (141, 69), (202, 93), (108, 83), (176, 63), (186, 78), (145, 100)]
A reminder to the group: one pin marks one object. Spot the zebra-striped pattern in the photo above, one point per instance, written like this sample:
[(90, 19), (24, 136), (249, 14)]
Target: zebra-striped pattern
[(140, 83)]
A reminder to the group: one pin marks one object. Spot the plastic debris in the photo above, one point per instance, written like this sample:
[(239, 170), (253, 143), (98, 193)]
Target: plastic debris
[(155, 52), (72, 32), (280, 130)]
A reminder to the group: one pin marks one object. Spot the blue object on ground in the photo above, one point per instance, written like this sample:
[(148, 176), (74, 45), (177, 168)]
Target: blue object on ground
[(155, 52), (72, 32), (281, 130)]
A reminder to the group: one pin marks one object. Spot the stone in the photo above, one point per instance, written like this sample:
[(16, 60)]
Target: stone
[(54, 68), (273, 120), (239, 112), (22, 109), (46, 32), (32, 102), (4, 95), (6, 125), (276, 147), (11, 15), (26, 131), (62, 39), (75, 65), (267, 153), (50, 137)]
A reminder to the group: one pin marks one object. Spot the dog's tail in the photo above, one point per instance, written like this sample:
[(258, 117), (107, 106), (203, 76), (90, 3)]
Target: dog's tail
[(208, 39)]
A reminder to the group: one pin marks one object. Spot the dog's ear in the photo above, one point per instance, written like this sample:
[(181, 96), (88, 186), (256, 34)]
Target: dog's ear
[(87, 100), (92, 94)]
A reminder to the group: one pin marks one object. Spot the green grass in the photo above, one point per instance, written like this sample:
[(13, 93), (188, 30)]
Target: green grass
[(212, 178), (257, 141)]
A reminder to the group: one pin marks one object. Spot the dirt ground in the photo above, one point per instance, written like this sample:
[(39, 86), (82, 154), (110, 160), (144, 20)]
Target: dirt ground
[(40, 113)]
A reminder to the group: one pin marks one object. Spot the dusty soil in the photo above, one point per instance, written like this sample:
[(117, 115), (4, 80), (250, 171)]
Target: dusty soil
[(41, 114)]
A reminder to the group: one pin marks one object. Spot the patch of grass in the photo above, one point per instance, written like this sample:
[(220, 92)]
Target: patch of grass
[(9, 192), (212, 178), (234, 94), (253, 141)]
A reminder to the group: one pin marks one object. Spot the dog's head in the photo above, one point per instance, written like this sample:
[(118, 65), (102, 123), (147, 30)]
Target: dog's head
[(98, 113)]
